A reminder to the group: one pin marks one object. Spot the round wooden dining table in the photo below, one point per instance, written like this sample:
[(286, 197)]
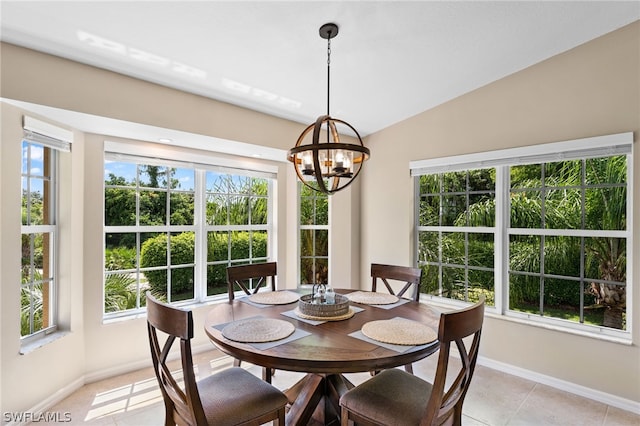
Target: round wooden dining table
[(322, 350)]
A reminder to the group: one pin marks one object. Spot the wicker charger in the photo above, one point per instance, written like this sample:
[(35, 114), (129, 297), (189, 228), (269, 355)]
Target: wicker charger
[(372, 298), (399, 331), (274, 297), (341, 317), (258, 330)]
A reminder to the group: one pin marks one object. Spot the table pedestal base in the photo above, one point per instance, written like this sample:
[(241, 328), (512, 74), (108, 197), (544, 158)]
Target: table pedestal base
[(315, 399)]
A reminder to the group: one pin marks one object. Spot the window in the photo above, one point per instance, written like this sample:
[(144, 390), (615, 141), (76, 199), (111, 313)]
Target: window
[(173, 228), (237, 225), (39, 241), (456, 234), (314, 236), (543, 233)]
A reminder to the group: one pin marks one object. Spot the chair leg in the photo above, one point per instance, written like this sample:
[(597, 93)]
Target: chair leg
[(236, 362), (266, 374), (344, 417), (408, 368)]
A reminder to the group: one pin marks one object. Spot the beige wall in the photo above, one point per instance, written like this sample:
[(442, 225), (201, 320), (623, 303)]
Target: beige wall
[(591, 90)]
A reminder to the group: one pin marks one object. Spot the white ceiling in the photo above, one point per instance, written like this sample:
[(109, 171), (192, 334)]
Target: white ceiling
[(391, 60)]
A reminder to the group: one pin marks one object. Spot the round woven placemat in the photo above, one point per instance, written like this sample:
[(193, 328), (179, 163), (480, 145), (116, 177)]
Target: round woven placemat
[(258, 330), (275, 297), (372, 298), (348, 315), (399, 331)]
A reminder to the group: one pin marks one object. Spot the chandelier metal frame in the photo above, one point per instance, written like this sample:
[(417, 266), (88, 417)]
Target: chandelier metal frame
[(332, 163)]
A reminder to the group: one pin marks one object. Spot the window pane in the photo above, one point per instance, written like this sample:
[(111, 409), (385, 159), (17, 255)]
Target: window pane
[(429, 184), (481, 283), (259, 243), (153, 208), (480, 250), (609, 170), (428, 243), (526, 209), (120, 174), (453, 283), (524, 253), (218, 246), (239, 245), (453, 248), (153, 176), (182, 285), (259, 211), (238, 210), (562, 256), (453, 210), (524, 293), (183, 248), (216, 279), (563, 209), (455, 181), (429, 210), (120, 251), (606, 259), (120, 291), (182, 206), (259, 186), (606, 208), (306, 242), (563, 173), (119, 207), (481, 211), (182, 179), (217, 209), (526, 176), (322, 242)]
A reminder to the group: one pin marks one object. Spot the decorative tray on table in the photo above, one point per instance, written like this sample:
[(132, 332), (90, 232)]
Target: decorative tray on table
[(309, 307)]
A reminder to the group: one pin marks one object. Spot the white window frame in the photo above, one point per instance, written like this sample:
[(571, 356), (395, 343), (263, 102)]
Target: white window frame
[(313, 227), (58, 140), (148, 153), (599, 146)]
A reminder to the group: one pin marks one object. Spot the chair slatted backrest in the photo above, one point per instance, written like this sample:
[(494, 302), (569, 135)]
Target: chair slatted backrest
[(409, 275), (183, 404), (251, 277), (453, 328)]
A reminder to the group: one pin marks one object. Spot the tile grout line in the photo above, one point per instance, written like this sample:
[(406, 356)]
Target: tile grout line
[(524, 400)]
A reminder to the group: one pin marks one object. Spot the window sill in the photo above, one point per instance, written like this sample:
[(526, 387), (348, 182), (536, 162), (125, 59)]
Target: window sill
[(38, 343), (142, 313), (599, 333)]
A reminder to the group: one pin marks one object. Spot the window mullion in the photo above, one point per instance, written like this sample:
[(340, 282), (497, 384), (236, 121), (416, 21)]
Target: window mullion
[(501, 240), (199, 218)]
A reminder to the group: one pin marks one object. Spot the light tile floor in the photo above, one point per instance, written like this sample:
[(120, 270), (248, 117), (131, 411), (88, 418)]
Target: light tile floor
[(494, 398)]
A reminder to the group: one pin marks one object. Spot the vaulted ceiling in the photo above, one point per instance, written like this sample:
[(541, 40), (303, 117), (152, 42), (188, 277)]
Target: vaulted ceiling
[(391, 60)]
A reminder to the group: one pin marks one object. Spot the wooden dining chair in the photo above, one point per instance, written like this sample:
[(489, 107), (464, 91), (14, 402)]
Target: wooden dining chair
[(395, 397), (231, 397), (410, 280), (250, 278), (408, 276)]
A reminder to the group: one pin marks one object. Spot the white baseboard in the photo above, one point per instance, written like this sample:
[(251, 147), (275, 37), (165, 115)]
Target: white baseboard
[(53, 399), (596, 395)]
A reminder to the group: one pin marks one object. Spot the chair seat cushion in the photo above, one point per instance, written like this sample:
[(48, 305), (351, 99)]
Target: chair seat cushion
[(235, 396), (392, 397)]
